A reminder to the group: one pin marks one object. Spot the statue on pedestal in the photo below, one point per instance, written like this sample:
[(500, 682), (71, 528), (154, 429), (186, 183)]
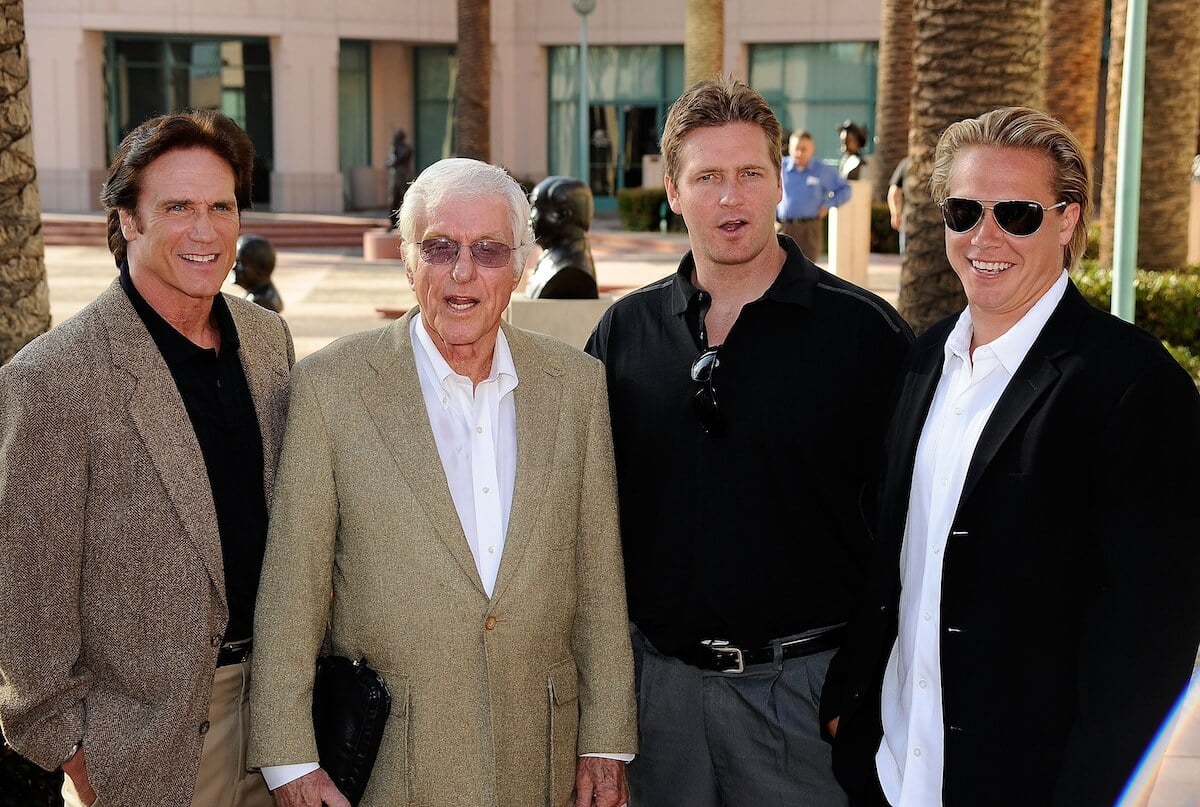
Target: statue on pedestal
[(252, 271), (562, 214)]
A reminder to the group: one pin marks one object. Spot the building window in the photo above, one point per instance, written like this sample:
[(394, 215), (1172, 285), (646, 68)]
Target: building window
[(354, 113), (435, 70), (149, 76), (630, 89), (816, 86)]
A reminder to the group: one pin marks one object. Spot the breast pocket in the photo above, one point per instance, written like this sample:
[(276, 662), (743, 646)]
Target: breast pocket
[(563, 690)]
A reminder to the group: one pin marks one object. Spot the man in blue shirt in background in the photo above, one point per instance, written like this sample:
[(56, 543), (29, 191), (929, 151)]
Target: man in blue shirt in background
[(810, 188)]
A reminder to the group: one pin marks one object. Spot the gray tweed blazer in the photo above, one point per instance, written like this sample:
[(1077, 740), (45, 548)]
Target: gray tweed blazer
[(110, 559)]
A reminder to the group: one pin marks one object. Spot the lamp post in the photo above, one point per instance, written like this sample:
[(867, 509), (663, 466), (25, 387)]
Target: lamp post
[(583, 8)]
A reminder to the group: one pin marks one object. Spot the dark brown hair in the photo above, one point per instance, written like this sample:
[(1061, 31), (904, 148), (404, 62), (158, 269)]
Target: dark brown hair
[(716, 103), (198, 128)]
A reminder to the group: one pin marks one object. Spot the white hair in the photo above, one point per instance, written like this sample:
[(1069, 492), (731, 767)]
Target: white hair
[(458, 179)]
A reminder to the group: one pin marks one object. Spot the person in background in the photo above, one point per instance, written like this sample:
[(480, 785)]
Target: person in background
[(810, 188), (1030, 617), (853, 138), (895, 199)]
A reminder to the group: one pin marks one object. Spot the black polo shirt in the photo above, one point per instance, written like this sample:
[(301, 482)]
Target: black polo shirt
[(217, 399), (759, 533)]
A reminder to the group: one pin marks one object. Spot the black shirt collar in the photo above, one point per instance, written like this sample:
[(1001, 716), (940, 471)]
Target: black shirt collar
[(794, 284), (171, 343)]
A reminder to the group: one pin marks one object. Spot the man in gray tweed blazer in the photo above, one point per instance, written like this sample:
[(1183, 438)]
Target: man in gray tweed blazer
[(138, 445)]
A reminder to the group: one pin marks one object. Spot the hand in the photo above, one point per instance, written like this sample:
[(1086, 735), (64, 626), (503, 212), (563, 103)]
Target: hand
[(832, 726), (601, 782), (824, 212), (76, 768), (310, 790)]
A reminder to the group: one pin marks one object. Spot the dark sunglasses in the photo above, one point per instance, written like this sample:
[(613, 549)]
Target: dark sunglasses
[(704, 402), (489, 254), (1015, 218)]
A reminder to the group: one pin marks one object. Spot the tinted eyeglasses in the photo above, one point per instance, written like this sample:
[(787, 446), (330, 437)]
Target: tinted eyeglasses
[(1017, 218), (489, 254), (704, 402)]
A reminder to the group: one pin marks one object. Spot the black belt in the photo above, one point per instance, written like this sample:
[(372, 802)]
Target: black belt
[(796, 221), (234, 652), (721, 656)]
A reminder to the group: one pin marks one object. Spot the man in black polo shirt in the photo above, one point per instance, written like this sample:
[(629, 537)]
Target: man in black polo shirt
[(138, 445), (748, 393)]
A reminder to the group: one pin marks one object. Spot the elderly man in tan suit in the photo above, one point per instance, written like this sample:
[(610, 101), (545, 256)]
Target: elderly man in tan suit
[(450, 480), (138, 443)]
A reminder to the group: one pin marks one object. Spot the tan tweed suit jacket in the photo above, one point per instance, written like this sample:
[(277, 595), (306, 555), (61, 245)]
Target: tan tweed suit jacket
[(110, 560), (492, 698)]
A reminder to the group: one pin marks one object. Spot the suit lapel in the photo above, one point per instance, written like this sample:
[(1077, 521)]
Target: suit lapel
[(538, 398), (162, 423), (264, 375), (1036, 375), (393, 400)]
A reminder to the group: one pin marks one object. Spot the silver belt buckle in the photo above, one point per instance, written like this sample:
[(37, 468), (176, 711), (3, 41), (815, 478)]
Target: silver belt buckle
[(723, 646)]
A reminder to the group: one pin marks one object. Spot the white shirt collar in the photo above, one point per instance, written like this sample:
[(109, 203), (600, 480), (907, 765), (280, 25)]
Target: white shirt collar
[(503, 367), (1011, 347)]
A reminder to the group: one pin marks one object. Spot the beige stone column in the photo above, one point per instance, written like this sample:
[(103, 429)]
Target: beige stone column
[(66, 74), (304, 87)]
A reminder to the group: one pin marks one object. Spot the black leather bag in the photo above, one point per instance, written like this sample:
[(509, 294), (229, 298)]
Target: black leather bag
[(351, 704)]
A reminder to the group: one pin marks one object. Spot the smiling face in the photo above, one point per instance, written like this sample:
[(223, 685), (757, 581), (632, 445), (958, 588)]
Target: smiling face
[(1004, 275), (727, 187), (182, 237), (462, 302)]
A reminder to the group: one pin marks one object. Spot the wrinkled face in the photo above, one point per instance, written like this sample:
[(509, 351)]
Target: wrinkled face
[(182, 238), (801, 149), (726, 189), (1004, 275), (462, 302)]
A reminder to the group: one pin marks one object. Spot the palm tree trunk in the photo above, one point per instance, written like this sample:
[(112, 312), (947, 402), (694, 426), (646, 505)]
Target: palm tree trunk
[(969, 56), (1169, 137), (895, 91), (704, 40), (24, 296), (1071, 64), (473, 89)]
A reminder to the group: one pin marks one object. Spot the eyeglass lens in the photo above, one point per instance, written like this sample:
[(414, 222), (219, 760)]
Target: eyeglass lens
[(1017, 218), (704, 402), (489, 254)]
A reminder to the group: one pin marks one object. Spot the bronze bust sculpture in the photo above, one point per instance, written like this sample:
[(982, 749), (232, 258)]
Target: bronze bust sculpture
[(252, 271), (562, 213)]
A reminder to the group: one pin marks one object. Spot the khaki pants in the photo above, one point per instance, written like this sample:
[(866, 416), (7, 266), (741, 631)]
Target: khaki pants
[(222, 780), (808, 235)]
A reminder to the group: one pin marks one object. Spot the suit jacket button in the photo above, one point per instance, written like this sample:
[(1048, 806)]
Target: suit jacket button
[(490, 622), (204, 728)]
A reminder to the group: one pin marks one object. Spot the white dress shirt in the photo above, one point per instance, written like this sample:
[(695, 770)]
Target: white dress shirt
[(911, 755)]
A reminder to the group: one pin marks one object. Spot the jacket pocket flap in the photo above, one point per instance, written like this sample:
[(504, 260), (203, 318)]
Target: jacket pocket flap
[(563, 682)]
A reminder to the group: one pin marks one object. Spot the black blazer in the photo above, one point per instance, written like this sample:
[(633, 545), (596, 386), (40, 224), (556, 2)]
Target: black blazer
[(1069, 609)]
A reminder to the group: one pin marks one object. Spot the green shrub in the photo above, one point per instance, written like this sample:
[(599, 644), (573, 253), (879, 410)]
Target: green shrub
[(883, 237), (643, 210), (1167, 304), (1092, 250)]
